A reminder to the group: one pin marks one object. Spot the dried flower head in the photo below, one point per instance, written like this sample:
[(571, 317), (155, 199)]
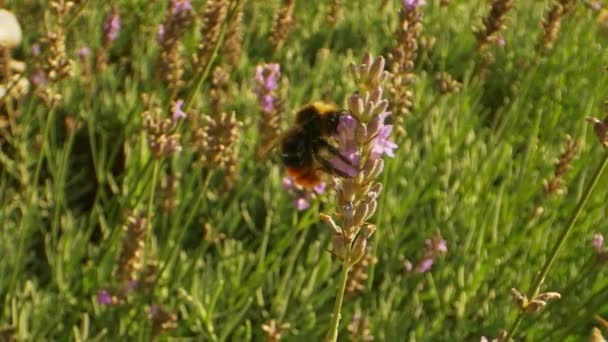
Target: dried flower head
[(110, 28), (493, 24), (265, 86), (283, 23), (219, 92), (274, 330), (401, 60), (214, 14), (490, 33), (216, 141), (170, 65), (234, 37), (335, 12), (162, 139), (551, 24), (129, 262), (162, 320), (555, 185), (359, 328), (601, 129), (446, 84), (534, 305)]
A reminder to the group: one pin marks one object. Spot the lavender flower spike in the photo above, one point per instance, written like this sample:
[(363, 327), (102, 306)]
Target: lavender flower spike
[(111, 26), (265, 85)]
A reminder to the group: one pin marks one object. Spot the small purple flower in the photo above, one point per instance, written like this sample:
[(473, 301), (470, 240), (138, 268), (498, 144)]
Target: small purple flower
[(84, 52), (160, 34), (319, 188), (502, 41), (424, 265), (413, 4), (382, 145), (267, 103), (38, 78), (301, 203), (104, 297), (288, 183), (180, 6), (408, 266), (154, 310), (111, 26), (266, 82), (598, 242), (303, 196), (36, 49), (178, 113)]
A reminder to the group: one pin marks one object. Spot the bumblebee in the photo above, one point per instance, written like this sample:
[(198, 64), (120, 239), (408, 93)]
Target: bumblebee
[(305, 149)]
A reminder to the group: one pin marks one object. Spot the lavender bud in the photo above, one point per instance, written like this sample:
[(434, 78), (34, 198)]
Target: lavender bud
[(339, 246), (355, 104), (358, 250), (535, 306)]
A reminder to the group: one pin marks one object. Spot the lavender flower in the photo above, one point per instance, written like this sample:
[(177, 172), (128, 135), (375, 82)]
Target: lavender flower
[(434, 247), (424, 265), (36, 49), (598, 242), (104, 297), (413, 4), (84, 52), (160, 34), (111, 26), (303, 196), (265, 85), (180, 6), (178, 113)]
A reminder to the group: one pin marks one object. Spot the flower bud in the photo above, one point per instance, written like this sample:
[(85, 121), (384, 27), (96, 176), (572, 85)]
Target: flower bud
[(376, 70), (520, 300), (355, 104), (548, 296), (535, 306), (339, 246), (358, 251), (372, 169), (368, 230)]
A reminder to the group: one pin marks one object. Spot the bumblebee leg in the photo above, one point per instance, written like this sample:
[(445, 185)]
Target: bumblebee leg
[(325, 153), (328, 167)]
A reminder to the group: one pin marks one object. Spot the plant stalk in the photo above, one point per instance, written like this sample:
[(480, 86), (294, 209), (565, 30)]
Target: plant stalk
[(535, 288)]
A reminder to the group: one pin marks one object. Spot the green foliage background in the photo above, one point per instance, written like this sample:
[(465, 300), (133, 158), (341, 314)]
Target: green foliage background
[(471, 165)]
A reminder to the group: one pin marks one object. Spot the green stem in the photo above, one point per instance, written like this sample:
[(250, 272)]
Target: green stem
[(535, 288), (335, 319)]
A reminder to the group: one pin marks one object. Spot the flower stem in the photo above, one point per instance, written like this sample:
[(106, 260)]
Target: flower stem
[(335, 319), (535, 288)]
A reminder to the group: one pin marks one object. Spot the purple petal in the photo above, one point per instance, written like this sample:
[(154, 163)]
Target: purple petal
[(301, 204), (598, 242), (319, 188), (178, 112), (424, 265), (104, 297), (287, 183)]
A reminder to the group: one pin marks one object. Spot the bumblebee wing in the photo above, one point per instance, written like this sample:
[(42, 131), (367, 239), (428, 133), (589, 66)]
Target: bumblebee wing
[(263, 150)]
